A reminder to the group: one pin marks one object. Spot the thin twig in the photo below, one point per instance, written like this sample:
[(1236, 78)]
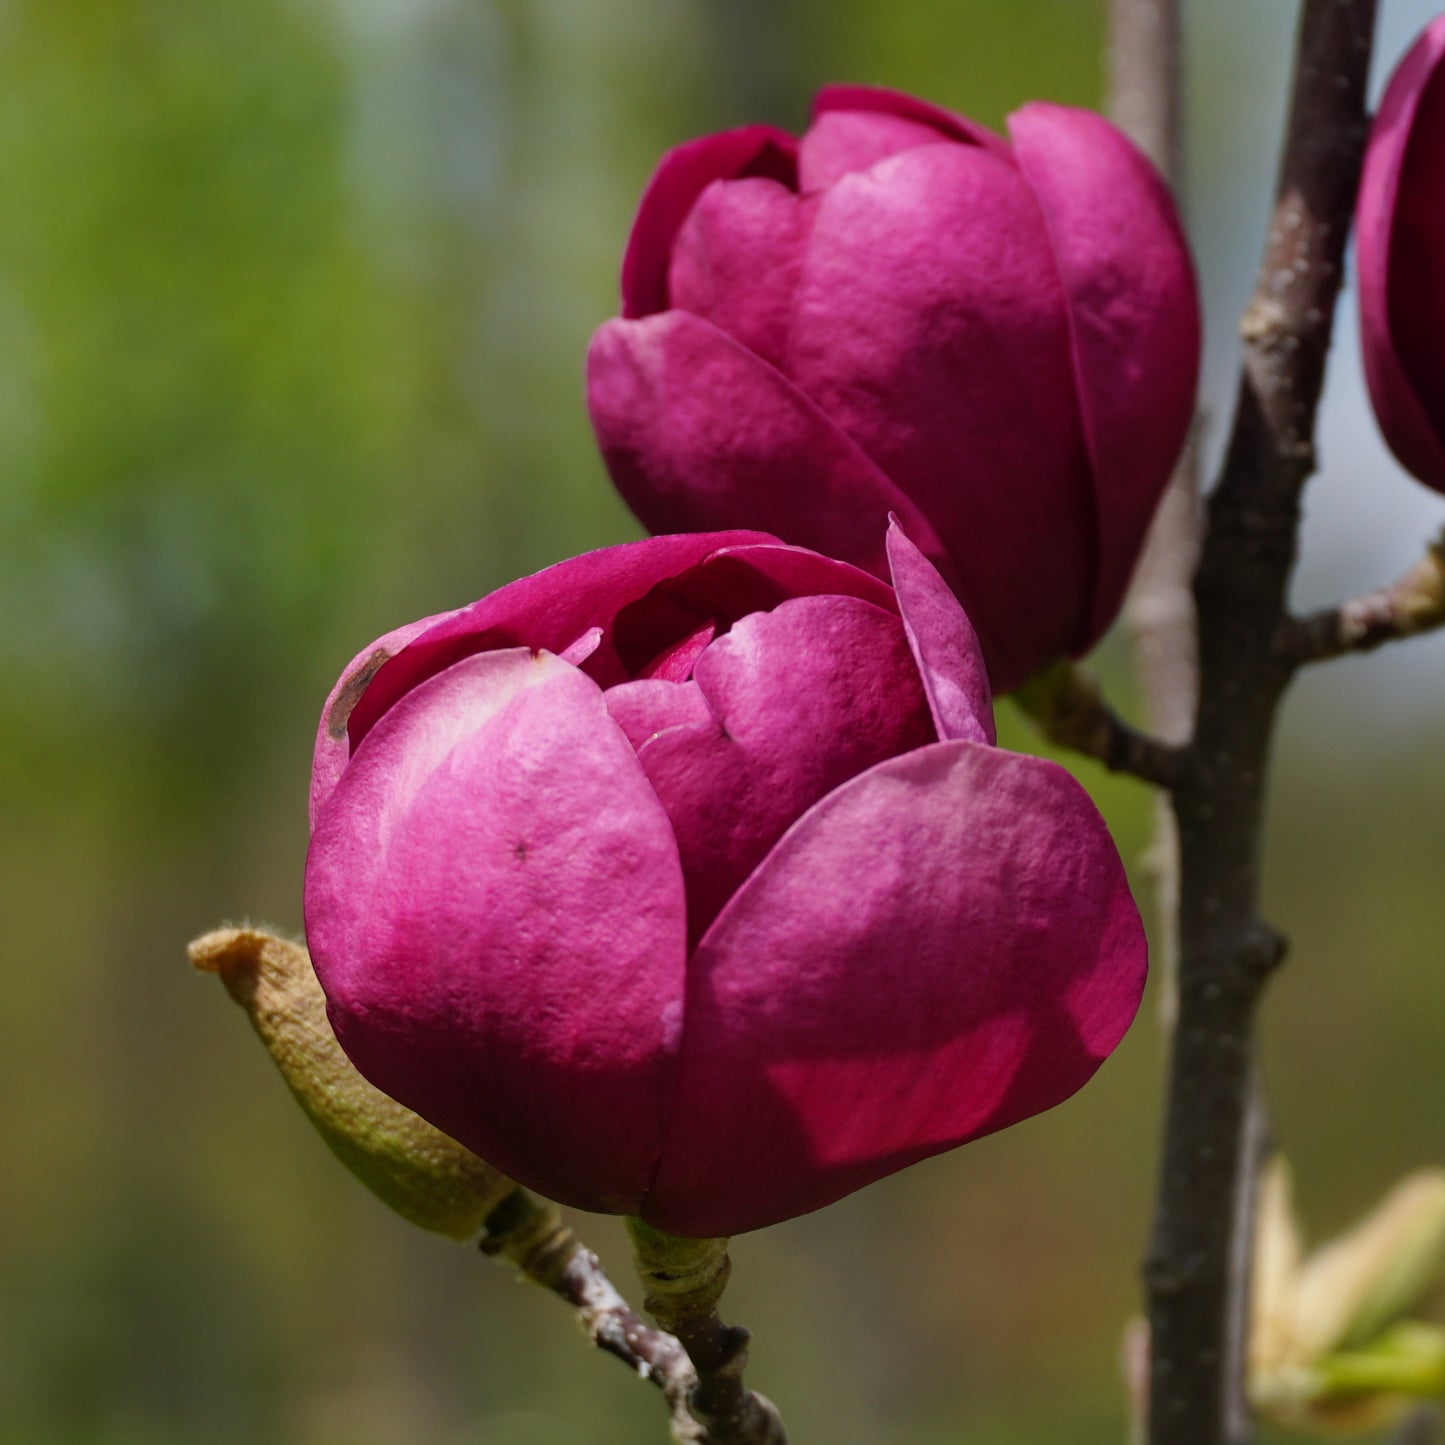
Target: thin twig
[(1068, 707), (1146, 45), (533, 1238), (1412, 604), (1227, 951), (729, 1412), (1146, 55), (684, 1280), (1256, 1145)]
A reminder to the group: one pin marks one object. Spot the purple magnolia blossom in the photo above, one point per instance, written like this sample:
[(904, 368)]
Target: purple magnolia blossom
[(684, 880), (1400, 245), (902, 312)]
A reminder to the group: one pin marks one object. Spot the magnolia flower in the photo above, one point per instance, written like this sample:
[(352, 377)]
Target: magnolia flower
[(683, 880), (902, 312)]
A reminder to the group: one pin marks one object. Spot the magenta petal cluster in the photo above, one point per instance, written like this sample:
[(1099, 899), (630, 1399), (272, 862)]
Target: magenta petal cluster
[(684, 880), (997, 341), (1400, 248)]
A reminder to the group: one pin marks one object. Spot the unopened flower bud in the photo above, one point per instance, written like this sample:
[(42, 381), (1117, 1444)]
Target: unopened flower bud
[(418, 1171)]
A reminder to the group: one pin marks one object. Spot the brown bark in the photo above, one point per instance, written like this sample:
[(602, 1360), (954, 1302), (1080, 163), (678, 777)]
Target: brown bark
[(706, 1400), (1227, 950)]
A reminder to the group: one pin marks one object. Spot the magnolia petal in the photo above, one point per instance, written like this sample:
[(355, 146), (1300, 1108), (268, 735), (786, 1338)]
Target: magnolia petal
[(950, 367), (802, 699), (944, 644), (697, 431), (663, 633), (556, 609), (939, 948), (1133, 313), (736, 261), (799, 572), (494, 907), (1400, 237), (877, 100), (680, 178), (645, 708), (841, 142)]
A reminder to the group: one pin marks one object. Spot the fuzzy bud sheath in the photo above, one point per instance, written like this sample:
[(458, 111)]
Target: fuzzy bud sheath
[(421, 1173)]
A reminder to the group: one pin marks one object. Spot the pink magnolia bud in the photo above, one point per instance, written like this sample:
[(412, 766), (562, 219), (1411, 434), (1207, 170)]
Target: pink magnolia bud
[(902, 312), (1400, 246), (683, 880)]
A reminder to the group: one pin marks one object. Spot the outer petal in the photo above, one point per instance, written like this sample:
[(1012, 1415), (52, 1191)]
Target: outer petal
[(949, 364), (798, 572), (333, 746), (944, 644), (695, 429), (736, 261), (840, 142), (880, 101), (494, 907), (557, 609), (1134, 316), (645, 708), (940, 948), (680, 178), (802, 699), (1400, 242)]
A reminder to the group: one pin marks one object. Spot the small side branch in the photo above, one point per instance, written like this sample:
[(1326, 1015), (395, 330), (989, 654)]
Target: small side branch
[(1068, 707), (698, 1368), (532, 1237), (728, 1411), (1412, 604)]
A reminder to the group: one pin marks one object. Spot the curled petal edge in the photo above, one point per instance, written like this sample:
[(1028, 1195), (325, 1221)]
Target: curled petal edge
[(944, 644), (950, 124)]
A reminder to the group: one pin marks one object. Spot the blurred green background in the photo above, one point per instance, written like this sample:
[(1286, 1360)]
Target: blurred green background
[(293, 299)]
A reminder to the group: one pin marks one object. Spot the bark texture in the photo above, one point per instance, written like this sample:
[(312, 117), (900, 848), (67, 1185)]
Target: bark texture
[(1227, 950)]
